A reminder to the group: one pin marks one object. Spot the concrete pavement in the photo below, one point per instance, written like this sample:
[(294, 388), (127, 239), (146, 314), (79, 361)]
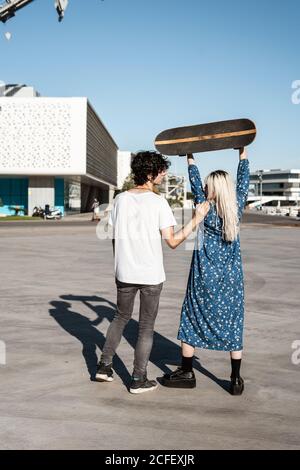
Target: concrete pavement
[(57, 299), (249, 217)]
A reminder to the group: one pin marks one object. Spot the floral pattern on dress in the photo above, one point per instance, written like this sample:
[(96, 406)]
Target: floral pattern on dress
[(212, 315)]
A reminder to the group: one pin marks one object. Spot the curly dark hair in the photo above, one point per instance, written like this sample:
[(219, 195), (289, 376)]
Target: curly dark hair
[(148, 163)]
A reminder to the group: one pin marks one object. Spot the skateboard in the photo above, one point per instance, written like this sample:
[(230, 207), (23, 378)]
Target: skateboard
[(221, 135)]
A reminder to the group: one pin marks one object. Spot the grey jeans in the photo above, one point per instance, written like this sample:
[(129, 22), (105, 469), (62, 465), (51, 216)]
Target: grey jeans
[(149, 301)]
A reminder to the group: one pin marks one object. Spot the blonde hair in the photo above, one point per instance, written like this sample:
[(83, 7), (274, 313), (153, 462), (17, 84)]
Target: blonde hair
[(221, 189)]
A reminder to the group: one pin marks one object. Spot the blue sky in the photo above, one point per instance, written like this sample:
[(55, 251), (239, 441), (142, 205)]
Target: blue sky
[(148, 65)]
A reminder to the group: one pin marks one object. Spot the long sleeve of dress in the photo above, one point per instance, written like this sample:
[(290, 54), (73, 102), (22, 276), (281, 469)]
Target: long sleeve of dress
[(196, 184), (242, 185)]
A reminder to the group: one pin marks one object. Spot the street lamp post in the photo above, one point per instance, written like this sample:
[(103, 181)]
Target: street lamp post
[(10, 7), (260, 178)]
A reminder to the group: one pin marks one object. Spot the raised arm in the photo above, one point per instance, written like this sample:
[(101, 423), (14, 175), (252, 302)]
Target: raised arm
[(195, 180), (242, 182)]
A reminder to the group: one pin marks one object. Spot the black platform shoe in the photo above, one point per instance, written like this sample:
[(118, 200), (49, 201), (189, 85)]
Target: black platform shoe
[(236, 386), (179, 379)]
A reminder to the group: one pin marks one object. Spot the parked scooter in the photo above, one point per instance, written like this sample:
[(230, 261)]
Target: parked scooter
[(38, 212), (46, 213), (54, 214)]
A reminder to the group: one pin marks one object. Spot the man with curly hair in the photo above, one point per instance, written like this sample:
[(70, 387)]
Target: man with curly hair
[(140, 218)]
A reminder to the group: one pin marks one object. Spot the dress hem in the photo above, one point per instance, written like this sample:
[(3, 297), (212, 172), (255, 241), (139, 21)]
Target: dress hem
[(212, 348)]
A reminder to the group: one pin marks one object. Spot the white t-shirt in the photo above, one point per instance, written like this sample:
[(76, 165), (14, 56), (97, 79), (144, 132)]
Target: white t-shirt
[(137, 219)]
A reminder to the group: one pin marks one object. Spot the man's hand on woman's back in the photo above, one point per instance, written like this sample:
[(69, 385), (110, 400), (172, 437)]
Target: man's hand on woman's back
[(201, 211)]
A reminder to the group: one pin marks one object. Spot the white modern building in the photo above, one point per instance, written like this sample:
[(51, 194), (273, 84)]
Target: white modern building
[(274, 188), (53, 151), (124, 166)]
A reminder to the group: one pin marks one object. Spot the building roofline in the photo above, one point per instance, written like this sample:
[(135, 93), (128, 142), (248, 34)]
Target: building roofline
[(293, 170)]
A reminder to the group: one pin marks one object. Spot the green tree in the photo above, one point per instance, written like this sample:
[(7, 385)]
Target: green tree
[(175, 202), (128, 183)]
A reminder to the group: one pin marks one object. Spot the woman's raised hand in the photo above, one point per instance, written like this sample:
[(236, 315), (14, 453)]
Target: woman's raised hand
[(243, 153), (190, 159)]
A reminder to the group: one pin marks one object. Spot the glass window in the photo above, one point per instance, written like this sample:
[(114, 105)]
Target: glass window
[(72, 193)]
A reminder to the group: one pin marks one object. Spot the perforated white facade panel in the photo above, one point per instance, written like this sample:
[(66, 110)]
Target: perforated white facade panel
[(43, 136)]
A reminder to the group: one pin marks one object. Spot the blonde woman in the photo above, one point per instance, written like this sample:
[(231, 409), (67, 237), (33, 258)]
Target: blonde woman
[(212, 314)]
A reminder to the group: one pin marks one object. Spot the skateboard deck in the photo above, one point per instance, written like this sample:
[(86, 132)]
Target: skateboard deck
[(220, 135)]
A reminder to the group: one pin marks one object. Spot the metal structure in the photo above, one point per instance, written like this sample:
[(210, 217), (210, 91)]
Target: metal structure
[(174, 189), (60, 6), (10, 7)]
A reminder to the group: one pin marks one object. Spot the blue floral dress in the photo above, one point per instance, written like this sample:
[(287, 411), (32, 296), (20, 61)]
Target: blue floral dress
[(212, 315)]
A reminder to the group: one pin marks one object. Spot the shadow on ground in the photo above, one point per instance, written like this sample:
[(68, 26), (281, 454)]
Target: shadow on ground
[(164, 351)]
